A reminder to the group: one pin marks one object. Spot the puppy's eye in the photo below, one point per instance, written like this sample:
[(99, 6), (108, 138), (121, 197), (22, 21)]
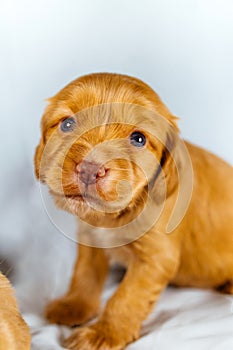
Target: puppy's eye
[(137, 139), (68, 124)]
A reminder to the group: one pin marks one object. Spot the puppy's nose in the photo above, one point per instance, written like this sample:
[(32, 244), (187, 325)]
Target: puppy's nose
[(89, 172)]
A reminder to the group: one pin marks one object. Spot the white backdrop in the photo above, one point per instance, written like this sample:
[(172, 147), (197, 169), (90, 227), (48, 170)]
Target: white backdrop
[(183, 49)]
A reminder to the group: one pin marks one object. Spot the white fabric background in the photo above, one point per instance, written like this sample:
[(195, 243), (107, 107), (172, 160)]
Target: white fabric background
[(184, 50)]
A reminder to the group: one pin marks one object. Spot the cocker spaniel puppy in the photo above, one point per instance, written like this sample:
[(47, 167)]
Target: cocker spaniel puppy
[(14, 333), (111, 155)]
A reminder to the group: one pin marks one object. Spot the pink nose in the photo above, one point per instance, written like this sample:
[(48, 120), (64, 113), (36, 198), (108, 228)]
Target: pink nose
[(90, 172)]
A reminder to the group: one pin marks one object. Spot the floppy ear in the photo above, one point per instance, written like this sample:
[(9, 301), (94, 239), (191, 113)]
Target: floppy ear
[(166, 177), (175, 173), (37, 160), (41, 146)]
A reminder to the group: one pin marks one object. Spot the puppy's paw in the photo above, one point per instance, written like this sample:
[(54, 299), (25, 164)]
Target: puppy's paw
[(92, 338), (70, 311)]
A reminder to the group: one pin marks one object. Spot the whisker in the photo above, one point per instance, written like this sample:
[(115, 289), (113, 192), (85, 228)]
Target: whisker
[(8, 271), (120, 169)]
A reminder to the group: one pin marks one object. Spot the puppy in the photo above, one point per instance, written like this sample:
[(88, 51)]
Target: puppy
[(14, 333), (111, 154)]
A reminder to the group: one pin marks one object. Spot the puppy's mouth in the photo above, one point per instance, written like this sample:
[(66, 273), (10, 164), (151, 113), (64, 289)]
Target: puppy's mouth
[(80, 197), (77, 202)]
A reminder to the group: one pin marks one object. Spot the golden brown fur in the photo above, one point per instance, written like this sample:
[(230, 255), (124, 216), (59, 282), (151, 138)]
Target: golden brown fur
[(199, 250), (14, 333)]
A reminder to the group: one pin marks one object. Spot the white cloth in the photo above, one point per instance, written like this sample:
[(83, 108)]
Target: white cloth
[(183, 319)]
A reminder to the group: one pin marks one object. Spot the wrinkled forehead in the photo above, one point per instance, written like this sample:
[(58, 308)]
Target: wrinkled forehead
[(126, 116)]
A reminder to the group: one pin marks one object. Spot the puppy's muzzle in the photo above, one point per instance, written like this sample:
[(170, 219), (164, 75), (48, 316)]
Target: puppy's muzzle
[(90, 172)]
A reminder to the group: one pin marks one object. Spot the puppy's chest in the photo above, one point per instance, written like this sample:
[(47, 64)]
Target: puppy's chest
[(121, 254)]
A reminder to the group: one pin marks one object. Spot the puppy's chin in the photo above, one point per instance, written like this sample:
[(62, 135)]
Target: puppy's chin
[(96, 212), (76, 205)]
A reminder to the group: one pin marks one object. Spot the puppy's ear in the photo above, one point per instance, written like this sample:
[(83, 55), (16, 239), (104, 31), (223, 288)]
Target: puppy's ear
[(165, 177), (37, 160), (174, 175), (41, 146)]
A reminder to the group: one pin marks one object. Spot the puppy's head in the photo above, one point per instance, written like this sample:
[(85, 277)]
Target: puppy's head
[(105, 138)]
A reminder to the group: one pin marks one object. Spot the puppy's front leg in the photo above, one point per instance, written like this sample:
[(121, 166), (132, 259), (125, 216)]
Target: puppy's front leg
[(149, 272), (82, 301)]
